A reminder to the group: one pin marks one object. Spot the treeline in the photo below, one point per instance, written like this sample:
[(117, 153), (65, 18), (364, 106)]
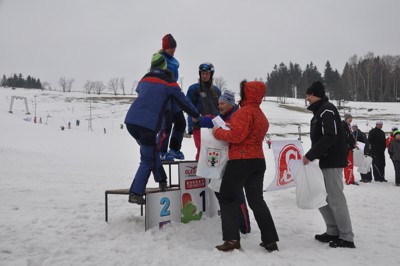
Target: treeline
[(20, 82), (369, 78)]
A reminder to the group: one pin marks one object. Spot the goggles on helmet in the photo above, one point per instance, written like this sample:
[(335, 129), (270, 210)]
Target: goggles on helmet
[(206, 67)]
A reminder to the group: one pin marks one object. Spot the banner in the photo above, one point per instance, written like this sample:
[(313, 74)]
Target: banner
[(284, 152)]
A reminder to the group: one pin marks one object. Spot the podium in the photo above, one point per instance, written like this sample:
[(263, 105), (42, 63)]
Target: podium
[(187, 197)]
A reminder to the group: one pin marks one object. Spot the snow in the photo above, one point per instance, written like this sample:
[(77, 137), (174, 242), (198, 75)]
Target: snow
[(52, 185)]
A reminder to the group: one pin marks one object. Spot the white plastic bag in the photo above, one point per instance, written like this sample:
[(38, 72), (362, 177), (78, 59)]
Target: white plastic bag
[(310, 184), (213, 155), (365, 166), (358, 157)]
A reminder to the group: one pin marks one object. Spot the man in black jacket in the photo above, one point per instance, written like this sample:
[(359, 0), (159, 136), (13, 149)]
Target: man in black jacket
[(361, 137), (328, 144), (377, 142)]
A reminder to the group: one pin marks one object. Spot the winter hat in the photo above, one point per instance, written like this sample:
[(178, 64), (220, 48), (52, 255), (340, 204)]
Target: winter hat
[(228, 97), (379, 122), (168, 42), (347, 115), (317, 89), (394, 128), (396, 132), (158, 61), (355, 125)]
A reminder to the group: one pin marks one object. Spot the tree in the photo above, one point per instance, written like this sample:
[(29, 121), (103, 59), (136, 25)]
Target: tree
[(113, 84), (122, 85), (88, 86), (220, 82), (98, 87), (66, 84)]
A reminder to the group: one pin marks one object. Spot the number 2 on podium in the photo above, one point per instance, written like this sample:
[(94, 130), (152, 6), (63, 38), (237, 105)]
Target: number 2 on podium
[(164, 211)]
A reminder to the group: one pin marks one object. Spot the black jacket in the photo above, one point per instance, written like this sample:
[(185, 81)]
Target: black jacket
[(361, 137), (328, 142), (377, 142)]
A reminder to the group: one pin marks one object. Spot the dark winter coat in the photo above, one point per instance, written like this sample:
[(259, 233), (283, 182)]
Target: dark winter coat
[(350, 140), (205, 99), (394, 150), (248, 125), (328, 142), (361, 137), (377, 142), (154, 91)]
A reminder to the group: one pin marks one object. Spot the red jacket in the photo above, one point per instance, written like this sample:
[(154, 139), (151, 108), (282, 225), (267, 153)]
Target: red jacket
[(389, 139), (248, 125)]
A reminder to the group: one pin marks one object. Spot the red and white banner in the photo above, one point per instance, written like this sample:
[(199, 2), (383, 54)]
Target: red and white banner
[(284, 152)]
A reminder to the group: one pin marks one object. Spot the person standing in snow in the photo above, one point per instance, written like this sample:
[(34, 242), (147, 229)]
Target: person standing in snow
[(377, 142), (245, 169), (143, 121), (361, 137), (173, 120), (350, 143), (394, 152), (328, 144), (227, 107), (204, 96)]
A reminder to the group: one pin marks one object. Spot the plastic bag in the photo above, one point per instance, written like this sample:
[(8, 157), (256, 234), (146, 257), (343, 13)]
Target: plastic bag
[(365, 166), (213, 155), (310, 184)]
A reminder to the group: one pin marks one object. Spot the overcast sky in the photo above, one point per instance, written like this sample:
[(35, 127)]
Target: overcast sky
[(101, 39)]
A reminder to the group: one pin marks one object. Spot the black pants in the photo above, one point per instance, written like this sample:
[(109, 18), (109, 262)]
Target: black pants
[(248, 173), (378, 167), (397, 171)]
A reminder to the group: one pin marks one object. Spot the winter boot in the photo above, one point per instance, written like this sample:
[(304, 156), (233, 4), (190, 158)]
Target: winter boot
[(325, 238), (229, 245), (270, 247), (340, 243), (133, 198)]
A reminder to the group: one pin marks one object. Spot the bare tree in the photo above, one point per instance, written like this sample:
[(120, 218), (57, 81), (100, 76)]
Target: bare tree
[(89, 86), (46, 86), (113, 85), (220, 82), (99, 87), (134, 86), (69, 84), (122, 85), (63, 83)]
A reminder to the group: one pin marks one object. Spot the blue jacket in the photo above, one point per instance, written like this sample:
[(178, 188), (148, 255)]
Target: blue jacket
[(204, 99), (154, 91), (172, 66)]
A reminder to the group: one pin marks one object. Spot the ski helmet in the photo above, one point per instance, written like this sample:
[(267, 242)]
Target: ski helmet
[(206, 67)]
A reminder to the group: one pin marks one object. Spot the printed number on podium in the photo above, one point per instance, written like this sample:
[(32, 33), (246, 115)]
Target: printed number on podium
[(164, 211)]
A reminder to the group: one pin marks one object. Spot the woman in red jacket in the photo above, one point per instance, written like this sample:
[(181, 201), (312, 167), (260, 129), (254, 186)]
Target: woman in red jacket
[(246, 168)]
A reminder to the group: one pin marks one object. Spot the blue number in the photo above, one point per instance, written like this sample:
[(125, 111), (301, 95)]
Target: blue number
[(164, 211)]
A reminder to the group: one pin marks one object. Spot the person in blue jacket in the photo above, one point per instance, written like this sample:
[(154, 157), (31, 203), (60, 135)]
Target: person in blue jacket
[(143, 121), (204, 96), (174, 120), (227, 107)]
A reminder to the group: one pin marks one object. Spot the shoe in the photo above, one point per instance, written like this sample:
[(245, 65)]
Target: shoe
[(384, 180), (270, 247), (165, 156), (355, 183), (397, 184), (176, 154), (229, 245), (340, 243), (163, 185), (325, 238), (133, 198)]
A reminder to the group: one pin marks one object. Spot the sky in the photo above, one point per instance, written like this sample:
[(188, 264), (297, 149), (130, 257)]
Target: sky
[(100, 39)]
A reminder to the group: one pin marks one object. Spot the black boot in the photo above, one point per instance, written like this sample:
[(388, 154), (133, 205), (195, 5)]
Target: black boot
[(340, 243), (133, 198), (325, 238)]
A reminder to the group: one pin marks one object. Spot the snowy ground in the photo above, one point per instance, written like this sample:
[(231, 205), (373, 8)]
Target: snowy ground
[(52, 185)]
